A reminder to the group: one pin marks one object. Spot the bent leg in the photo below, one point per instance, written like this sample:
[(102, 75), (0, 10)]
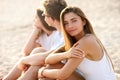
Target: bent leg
[(73, 76), (32, 72), (13, 74), (54, 66)]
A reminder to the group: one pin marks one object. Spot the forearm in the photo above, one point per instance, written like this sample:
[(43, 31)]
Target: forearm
[(64, 72), (31, 43), (32, 60), (54, 58), (54, 74), (51, 73), (35, 59)]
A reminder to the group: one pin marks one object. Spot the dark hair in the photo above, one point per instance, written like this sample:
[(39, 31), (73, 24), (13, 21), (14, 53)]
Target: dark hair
[(54, 8), (39, 13)]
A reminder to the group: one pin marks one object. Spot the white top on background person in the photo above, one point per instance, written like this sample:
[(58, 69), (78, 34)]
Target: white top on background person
[(51, 42)]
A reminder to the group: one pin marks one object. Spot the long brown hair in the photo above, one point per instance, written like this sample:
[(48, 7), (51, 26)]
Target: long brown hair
[(69, 40)]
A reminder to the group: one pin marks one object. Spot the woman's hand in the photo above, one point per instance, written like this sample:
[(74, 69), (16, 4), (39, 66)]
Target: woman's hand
[(21, 65), (40, 72), (37, 28), (76, 52)]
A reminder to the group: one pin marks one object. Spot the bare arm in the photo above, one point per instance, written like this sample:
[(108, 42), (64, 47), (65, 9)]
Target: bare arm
[(56, 57), (67, 70), (31, 43), (64, 72), (35, 59), (89, 45)]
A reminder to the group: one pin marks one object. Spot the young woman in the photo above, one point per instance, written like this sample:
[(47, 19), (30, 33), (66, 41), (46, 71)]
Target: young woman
[(41, 34), (84, 51)]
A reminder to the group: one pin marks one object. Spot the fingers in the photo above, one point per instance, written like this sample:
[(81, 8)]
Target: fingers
[(40, 72), (77, 53), (21, 66), (76, 44)]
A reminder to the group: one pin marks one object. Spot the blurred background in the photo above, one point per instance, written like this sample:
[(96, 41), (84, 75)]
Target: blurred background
[(16, 19)]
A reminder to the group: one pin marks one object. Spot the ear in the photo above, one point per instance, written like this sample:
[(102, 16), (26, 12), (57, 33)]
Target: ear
[(84, 22), (51, 20)]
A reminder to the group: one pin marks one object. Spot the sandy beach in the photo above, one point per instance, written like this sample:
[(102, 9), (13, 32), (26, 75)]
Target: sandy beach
[(16, 18)]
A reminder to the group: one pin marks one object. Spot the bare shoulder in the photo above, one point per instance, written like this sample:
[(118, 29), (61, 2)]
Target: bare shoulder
[(87, 39), (86, 42), (91, 46)]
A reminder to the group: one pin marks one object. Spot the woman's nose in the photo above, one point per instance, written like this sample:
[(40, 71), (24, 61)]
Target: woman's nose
[(69, 25)]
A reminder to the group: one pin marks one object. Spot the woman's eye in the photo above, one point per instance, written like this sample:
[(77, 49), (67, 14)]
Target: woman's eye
[(65, 24), (74, 20)]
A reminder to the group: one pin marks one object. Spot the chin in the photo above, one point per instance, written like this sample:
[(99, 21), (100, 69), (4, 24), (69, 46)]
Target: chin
[(72, 35)]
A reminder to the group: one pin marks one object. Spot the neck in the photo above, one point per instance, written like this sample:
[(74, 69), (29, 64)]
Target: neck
[(79, 36), (57, 25), (48, 32)]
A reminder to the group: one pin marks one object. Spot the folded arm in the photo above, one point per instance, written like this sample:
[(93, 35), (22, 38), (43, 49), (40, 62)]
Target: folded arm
[(56, 57), (35, 59), (64, 72), (31, 43)]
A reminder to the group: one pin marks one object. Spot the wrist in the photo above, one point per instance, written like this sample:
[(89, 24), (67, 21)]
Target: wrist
[(37, 28), (66, 55), (42, 72), (35, 33)]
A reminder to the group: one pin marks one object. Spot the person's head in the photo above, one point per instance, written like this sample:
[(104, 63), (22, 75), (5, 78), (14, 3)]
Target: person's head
[(40, 22), (74, 24), (52, 10)]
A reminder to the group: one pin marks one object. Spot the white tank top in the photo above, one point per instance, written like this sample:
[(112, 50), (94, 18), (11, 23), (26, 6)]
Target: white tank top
[(97, 70), (51, 42)]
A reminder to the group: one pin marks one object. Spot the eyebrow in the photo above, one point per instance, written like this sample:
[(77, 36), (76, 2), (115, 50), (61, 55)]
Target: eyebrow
[(71, 19)]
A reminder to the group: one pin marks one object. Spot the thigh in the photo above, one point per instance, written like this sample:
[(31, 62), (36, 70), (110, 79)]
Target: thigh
[(73, 76), (54, 66), (76, 76)]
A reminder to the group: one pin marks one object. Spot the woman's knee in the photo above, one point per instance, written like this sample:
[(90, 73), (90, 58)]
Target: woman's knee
[(55, 66), (38, 50)]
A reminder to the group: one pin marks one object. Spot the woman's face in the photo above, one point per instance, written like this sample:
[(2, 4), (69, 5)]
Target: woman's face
[(73, 24)]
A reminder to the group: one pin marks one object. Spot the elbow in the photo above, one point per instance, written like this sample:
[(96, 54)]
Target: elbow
[(47, 61)]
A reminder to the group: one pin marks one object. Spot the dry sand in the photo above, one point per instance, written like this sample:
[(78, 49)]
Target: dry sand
[(16, 17)]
